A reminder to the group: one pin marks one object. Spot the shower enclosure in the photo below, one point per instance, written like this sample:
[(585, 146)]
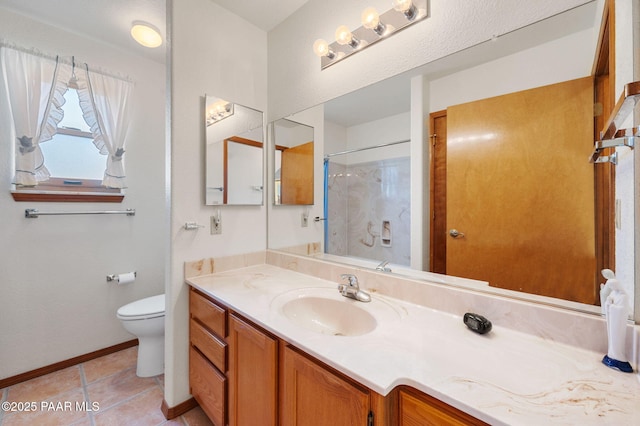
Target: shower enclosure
[(367, 203)]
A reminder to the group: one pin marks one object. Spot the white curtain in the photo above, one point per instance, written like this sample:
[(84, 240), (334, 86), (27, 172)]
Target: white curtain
[(35, 87), (106, 108)]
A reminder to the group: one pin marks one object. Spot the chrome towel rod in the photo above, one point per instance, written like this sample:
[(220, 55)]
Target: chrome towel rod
[(34, 213)]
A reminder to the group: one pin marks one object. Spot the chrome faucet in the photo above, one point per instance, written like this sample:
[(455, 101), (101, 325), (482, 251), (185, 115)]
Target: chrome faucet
[(352, 289), (383, 266)]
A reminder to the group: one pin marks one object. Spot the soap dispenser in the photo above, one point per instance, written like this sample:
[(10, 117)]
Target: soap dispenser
[(615, 307)]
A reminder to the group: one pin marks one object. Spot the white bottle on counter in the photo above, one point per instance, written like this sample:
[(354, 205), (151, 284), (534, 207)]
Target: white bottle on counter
[(615, 307)]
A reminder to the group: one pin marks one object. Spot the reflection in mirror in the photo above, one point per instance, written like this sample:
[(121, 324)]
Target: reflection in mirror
[(234, 153), (560, 49), (293, 160), (368, 193)]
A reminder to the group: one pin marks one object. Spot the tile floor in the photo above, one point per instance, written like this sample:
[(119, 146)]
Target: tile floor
[(103, 391)]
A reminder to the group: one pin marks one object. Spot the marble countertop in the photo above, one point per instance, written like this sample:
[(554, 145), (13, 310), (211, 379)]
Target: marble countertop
[(504, 377)]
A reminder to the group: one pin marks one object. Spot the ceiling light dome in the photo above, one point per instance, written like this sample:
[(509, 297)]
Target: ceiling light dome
[(146, 34)]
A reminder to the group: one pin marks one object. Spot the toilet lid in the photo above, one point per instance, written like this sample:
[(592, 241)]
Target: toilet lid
[(149, 307)]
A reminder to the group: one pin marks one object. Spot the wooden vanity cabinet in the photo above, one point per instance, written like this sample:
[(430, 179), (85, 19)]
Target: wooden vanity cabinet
[(253, 375), (419, 409), (311, 395), (243, 376), (208, 356)]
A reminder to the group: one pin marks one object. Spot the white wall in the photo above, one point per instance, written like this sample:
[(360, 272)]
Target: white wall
[(217, 53), (55, 303), (378, 132), (538, 66)]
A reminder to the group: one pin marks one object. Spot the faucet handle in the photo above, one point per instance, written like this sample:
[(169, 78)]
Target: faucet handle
[(353, 280)]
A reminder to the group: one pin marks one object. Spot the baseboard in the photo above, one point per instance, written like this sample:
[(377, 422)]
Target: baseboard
[(23, 377), (178, 410)]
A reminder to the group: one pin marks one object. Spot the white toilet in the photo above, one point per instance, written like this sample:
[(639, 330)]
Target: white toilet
[(144, 318)]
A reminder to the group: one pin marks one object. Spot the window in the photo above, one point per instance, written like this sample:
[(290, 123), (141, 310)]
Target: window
[(70, 131), (70, 153), (75, 164)]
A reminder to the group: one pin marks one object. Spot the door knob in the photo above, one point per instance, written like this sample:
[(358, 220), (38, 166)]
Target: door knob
[(454, 233)]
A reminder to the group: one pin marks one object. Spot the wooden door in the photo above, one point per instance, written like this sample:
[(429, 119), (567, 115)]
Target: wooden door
[(314, 396), (524, 199), (438, 191), (253, 388), (296, 175)]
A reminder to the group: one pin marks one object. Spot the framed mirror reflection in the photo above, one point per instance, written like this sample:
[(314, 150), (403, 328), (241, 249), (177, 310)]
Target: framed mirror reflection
[(293, 163), (550, 188), (234, 136)]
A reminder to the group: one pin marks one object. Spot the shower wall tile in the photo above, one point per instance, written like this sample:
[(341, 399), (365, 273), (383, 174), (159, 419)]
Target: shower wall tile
[(337, 209), (379, 191)]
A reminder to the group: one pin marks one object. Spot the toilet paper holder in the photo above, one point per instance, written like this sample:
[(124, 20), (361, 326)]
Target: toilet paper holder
[(116, 277)]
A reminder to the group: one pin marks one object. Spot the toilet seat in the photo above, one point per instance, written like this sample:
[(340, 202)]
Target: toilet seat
[(147, 308)]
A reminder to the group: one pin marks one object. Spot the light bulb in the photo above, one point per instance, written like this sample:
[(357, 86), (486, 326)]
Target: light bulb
[(406, 7), (321, 48), (402, 5), (370, 18), (343, 35)]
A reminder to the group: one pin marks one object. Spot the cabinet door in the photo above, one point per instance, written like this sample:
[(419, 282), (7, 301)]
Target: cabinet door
[(314, 396), (423, 410), (207, 386), (253, 361)]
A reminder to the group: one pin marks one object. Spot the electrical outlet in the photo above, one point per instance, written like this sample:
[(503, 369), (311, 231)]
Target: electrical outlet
[(304, 220), (216, 225)]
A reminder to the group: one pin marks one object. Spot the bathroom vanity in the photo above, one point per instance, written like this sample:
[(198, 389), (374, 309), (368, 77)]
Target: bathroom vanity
[(257, 356)]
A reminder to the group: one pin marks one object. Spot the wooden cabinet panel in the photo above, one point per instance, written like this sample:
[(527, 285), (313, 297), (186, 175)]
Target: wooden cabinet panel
[(253, 386), (208, 313), (423, 410), (312, 395), (212, 348), (207, 385)]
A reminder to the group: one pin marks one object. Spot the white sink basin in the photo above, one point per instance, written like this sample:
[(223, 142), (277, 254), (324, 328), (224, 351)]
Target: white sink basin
[(326, 311)]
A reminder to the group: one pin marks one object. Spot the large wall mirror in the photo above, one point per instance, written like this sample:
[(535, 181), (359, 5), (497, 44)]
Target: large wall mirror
[(293, 162), (234, 153), (536, 80)]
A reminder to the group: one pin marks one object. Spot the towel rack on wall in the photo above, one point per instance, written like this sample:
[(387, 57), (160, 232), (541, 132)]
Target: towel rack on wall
[(34, 213), (612, 136)]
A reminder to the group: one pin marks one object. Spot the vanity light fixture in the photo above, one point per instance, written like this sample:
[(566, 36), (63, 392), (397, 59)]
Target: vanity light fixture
[(374, 27), (218, 110), (146, 34)]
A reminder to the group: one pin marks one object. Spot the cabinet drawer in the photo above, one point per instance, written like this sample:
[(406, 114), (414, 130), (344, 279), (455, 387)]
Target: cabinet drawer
[(208, 313), (210, 346), (208, 387)]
